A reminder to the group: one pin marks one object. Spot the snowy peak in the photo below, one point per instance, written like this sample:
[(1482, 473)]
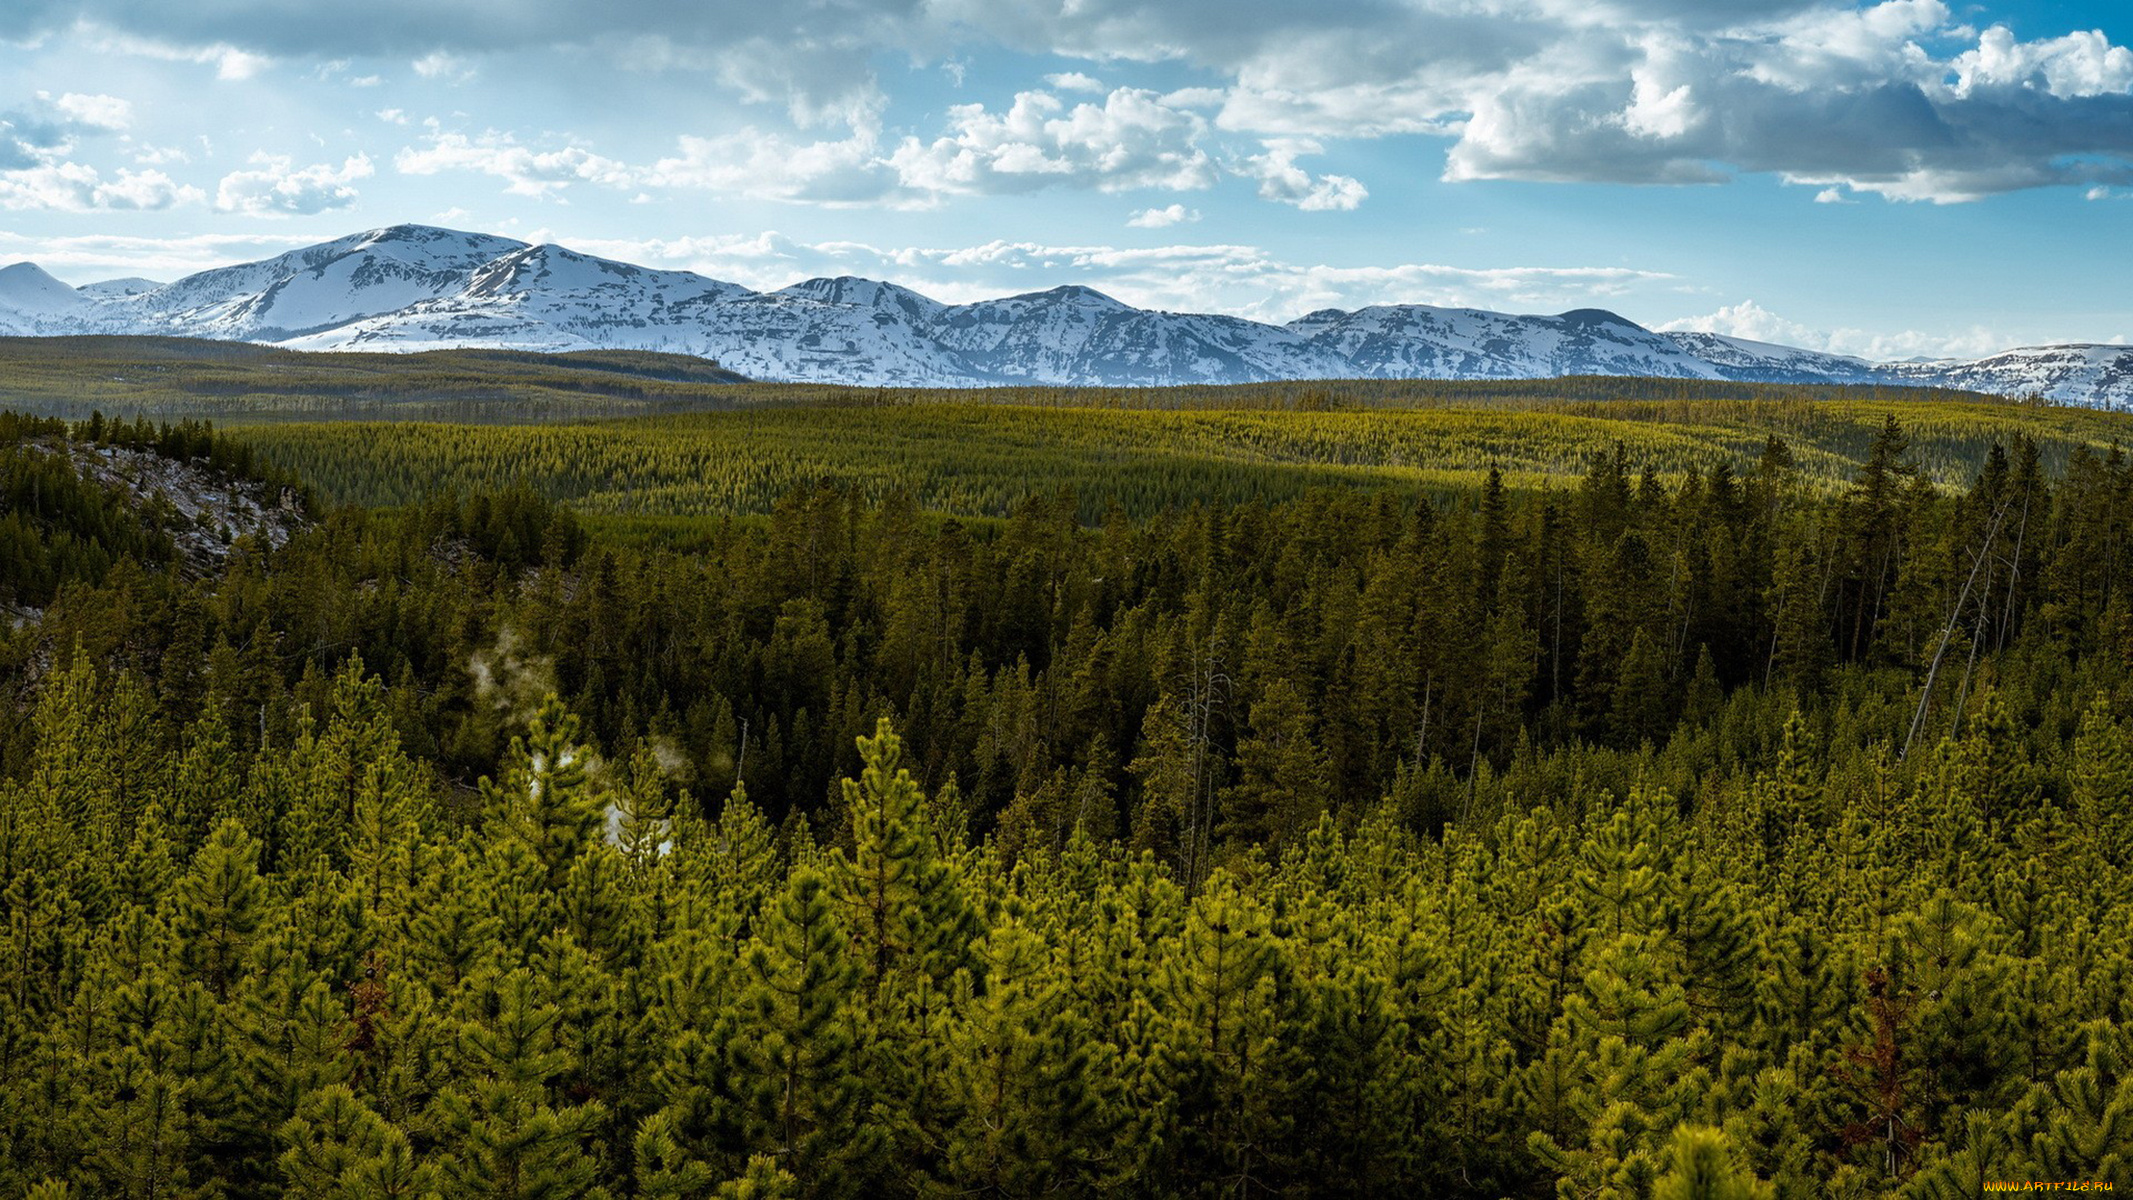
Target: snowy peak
[(866, 293), (418, 287), (27, 289), (118, 289), (1419, 341), (320, 288), (2097, 375), (1076, 295), (1740, 358)]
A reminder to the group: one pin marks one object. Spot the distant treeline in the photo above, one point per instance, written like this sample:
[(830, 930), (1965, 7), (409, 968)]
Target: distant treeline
[(985, 460)]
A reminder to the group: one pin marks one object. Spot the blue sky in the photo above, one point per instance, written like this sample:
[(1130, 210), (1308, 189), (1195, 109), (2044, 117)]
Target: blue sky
[(1909, 177)]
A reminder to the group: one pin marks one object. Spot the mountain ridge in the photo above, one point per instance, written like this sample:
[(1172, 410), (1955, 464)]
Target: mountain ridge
[(420, 287)]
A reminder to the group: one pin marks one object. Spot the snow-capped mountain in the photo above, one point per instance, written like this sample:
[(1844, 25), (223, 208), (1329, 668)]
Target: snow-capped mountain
[(118, 289), (308, 292), (866, 293), (1416, 341), (27, 290), (2098, 376), (1766, 362), (415, 287), (1079, 336)]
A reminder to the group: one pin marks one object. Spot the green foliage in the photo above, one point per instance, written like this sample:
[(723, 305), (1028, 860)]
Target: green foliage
[(1529, 844), (985, 454)]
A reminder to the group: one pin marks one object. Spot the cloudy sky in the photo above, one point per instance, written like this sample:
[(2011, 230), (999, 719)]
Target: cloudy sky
[(1889, 179)]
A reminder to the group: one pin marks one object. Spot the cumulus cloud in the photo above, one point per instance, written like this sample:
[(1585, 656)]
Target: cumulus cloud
[(750, 162), (1075, 81), (1755, 323), (1897, 97), (439, 65), (275, 187), (1280, 179), (1163, 218), (525, 170), (2078, 65), (1132, 140), (38, 171), (77, 187), (1848, 98), (94, 112), (48, 127)]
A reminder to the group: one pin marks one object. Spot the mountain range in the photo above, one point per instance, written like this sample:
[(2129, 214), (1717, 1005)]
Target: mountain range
[(416, 287)]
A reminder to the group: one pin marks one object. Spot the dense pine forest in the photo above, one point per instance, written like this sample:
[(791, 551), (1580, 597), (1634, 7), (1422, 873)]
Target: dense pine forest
[(1735, 816)]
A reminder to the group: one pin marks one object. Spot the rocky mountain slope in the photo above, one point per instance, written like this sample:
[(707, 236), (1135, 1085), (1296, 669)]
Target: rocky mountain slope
[(414, 287)]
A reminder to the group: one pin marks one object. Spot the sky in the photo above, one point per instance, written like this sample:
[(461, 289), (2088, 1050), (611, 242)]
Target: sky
[(1914, 177)]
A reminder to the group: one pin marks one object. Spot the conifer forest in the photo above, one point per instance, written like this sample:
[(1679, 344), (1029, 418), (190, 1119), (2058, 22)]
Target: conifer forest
[(850, 796)]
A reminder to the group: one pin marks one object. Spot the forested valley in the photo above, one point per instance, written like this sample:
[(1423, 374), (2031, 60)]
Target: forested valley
[(1733, 829)]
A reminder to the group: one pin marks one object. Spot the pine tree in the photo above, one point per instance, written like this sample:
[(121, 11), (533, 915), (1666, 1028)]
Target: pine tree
[(1703, 1168), (1283, 778), (217, 910), (507, 1136), (798, 1045), (337, 1148), (891, 851), (2103, 784), (545, 800)]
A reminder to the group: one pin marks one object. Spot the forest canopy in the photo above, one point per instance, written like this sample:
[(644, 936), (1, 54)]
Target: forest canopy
[(1744, 813)]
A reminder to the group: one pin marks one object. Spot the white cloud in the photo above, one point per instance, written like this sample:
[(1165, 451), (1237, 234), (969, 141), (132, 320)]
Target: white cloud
[(47, 129), (1896, 98), (1280, 179), (439, 65), (87, 258), (528, 172), (76, 187), (1824, 97), (2078, 65), (145, 155), (752, 163), (1833, 195), (231, 62), (1074, 81), (95, 112), (392, 116), (1133, 140), (38, 169), (275, 187), (1163, 218), (1754, 322)]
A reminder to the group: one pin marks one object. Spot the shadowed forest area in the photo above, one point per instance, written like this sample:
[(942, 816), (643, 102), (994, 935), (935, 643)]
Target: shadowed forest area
[(1636, 797)]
